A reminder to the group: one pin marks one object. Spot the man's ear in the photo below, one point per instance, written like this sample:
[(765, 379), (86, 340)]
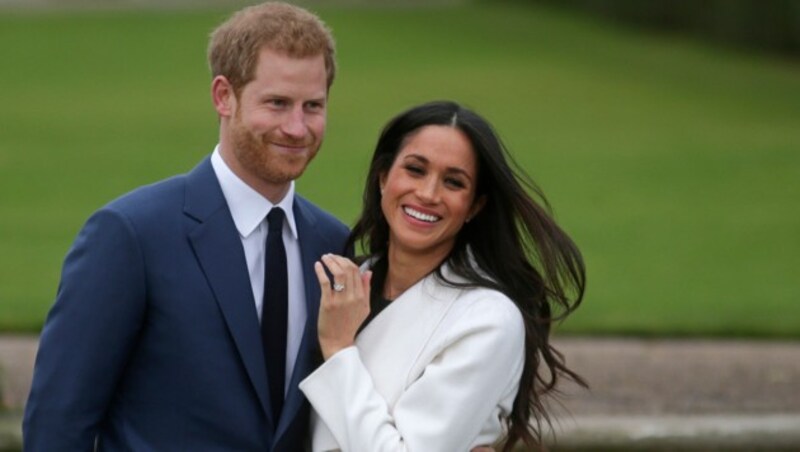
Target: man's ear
[(223, 97)]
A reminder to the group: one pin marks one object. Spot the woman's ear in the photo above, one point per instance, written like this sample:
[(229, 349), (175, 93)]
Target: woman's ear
[(382, 182), (477, 205)]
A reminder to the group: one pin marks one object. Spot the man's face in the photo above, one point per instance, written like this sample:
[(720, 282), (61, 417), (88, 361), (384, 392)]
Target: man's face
[(278, 121)]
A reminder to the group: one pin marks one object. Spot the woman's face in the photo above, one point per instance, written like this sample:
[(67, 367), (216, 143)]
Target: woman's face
[(429, 191)]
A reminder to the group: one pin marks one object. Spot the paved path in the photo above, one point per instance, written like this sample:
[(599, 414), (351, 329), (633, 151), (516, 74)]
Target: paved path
[(681, 395), (700, 377), (645, 394), (17, 354)]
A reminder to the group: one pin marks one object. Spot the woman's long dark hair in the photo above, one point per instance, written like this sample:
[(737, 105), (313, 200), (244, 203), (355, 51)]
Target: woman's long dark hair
[(518, 248)]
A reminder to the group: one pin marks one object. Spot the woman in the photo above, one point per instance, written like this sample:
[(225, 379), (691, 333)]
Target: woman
[(464, 274)]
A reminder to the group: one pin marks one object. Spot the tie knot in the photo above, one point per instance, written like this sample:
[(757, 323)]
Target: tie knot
[(275, 219)]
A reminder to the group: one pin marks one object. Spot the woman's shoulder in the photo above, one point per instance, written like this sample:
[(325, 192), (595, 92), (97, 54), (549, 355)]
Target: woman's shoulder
[(487, 323), (488, 304)]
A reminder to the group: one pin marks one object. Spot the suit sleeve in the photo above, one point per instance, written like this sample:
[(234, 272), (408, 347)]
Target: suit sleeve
[(444, 410), (87, 337)]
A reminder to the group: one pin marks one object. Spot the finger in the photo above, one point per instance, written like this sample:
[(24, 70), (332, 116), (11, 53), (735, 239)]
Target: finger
[(366, 284), (353, 280), (343, 262), (335, 268), (349, 275), (322, 277), (326, 293), (358, 283)]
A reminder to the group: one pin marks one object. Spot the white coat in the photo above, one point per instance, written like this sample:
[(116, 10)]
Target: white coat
[(434, 371)]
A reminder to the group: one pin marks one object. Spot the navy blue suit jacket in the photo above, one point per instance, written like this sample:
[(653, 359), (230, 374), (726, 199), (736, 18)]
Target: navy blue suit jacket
[(153, 342)]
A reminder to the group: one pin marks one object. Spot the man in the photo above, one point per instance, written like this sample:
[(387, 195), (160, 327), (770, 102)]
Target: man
[(186, 313)]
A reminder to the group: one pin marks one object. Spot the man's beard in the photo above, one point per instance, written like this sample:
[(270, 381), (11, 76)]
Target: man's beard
[(256, 155)]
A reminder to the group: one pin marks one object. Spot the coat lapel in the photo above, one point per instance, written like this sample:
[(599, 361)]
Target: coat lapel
[(219, 251), (426, 302)]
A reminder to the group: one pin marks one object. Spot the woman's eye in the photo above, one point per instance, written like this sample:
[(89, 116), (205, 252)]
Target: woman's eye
[(414, 169), (456, 183)]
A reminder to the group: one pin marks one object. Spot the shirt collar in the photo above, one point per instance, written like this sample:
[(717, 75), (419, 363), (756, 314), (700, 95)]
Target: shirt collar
[(248, 208)]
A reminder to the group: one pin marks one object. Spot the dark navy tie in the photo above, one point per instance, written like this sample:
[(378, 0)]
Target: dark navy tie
[(274, 311)]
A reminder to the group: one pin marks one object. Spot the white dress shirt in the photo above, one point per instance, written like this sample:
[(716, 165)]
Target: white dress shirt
[(249, 210)]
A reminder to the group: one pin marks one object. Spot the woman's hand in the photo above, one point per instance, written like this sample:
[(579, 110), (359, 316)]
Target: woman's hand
[(344, 304)]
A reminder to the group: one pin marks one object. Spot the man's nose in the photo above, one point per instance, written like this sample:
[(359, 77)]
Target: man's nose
[(294, 124)]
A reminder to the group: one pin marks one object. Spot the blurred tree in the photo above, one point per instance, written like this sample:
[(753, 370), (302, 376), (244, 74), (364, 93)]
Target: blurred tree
[(769, 25)]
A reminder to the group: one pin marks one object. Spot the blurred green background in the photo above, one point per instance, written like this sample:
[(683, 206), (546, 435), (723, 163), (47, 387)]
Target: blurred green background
[(674, 162)]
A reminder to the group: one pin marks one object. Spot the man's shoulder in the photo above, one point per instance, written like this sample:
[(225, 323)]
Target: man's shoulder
[(166, 195), (320, 216), (156, 195), (330, 233)]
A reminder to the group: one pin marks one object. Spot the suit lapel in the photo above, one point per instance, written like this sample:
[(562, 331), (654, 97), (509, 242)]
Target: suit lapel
[(219, 251), (308, 356)]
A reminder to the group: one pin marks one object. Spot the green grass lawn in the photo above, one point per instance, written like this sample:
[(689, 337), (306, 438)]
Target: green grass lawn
[(674, 164)]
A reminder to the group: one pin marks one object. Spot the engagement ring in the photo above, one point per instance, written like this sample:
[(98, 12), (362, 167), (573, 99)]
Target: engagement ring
[(338, 287)]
